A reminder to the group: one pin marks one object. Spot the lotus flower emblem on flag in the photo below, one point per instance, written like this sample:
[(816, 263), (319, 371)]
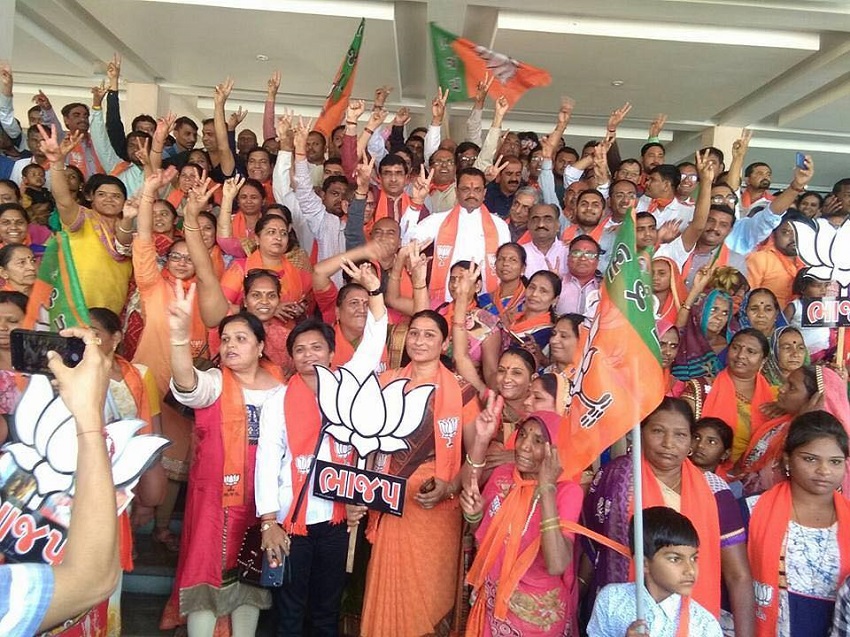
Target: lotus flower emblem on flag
[(825, 249), (367, 417), (45, 435)]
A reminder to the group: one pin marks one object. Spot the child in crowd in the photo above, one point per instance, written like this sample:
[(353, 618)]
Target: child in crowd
[(36, 197), (809, 288), (670, 545), (711, 443)]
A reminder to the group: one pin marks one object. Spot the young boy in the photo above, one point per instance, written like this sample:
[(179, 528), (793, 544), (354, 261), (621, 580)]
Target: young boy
[(34, 192), (670, 546), (711, 443)]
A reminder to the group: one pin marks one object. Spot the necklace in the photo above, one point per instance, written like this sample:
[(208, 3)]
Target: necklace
[(796, 517)]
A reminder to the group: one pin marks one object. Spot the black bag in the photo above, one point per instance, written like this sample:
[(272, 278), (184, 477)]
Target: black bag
[(252, 563)]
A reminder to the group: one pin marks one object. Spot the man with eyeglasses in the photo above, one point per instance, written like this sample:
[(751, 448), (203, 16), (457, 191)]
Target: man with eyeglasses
[(443, 195), (580, 284)]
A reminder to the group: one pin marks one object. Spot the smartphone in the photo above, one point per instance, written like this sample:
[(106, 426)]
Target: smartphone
[(800, 162), (429, 485), (270, 576), (29, 350)]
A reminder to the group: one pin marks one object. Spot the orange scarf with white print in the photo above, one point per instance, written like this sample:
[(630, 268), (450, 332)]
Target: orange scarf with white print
[(444, 247)]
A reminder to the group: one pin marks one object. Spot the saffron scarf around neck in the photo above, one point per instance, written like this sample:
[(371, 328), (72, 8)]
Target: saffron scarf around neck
[(722, 402), (234, 435), (524, 323), (301, 412), (382, 206), (699, 506), (509, 309), (444, 247), (574, 231), (767, 533), (677, 294), (291, 286)]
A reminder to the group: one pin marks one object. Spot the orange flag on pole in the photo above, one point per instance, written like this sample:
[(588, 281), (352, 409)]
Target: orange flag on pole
[(461, 64), (620, 380), (337, 101)]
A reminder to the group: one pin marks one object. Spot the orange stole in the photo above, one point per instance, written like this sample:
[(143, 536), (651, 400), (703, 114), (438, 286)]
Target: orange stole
[(444, 247), (695, 496), (239, 227), (574, 231), (234, 433), (382, 207), (669, 310), (722, 403), (300, 406), (524, 324), (344, 349), (766, 544), (507, 311), (291, 285)]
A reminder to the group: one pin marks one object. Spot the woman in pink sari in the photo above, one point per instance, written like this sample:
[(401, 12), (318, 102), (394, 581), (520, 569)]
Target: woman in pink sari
[(523, 576)]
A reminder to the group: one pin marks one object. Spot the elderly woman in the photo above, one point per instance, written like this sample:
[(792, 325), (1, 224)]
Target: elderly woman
[(670, 479), (788, 352), (18, 268), (799, 532), (523, 573)]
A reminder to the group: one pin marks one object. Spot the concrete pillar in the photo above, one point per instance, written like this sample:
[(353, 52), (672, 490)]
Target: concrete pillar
[(7, 29), (721, 137)]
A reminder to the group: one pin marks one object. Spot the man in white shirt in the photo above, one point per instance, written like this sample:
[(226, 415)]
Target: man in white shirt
[(477, 233), (660, 197), (545, 251)]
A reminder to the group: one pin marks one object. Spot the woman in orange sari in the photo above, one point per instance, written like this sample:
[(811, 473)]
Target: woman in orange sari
[(669, 289), (412, 580), (523, 574), (738, 392), (533, 328), (18, 268)]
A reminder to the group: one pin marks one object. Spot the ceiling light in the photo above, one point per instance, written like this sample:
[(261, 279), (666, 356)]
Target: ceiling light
[(339, 8), (617, 83), (667, 31), (262, 58)]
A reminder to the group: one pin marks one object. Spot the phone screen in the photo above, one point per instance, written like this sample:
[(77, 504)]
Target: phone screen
[(29, 350), (801, 160)]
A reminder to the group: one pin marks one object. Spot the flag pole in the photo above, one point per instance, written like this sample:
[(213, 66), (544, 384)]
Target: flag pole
[(638, 520)]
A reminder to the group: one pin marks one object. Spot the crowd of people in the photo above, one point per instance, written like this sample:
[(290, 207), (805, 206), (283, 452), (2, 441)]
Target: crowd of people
[(219, 278)]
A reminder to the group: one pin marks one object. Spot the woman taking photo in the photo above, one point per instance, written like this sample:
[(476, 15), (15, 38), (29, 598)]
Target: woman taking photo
[(670, 479), (738, 393), (523, 573), (799, 532), (408, 591), (509, 298), (228, 404)]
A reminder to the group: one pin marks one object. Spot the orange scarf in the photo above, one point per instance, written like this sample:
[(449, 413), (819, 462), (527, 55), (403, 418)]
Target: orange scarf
[(133, 379), (239, 227), (301, 411), (659, 204), (448, 417), (695, 496), (720, 259), (506, 312), (574, 231), (525, 238), (669, 310), (775, 445), (448, 312), (767, 532), (523, 324), (505, 532), (344, 349), (175, 198), (382, 207), (234, 435), (747, 199), (291, 286), (444, 248), (722, 403), (119, 168)]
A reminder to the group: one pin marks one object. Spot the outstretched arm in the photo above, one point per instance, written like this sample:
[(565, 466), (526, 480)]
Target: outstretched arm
[(56, 152), (222, 92)]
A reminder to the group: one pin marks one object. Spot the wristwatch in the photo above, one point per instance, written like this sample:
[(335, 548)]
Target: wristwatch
[(376, 292)]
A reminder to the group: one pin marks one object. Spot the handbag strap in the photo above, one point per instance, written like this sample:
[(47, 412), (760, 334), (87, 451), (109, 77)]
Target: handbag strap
[(298, 502)]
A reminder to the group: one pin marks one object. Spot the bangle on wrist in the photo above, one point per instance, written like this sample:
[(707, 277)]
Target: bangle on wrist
[(546, 487), (180, 343), (473, 519), (357, 193), (96, 108), (419, 287), (297, 154), (187, 227), (369, 130), (473, 464), (93, 431), (350, 123), (158, 151)]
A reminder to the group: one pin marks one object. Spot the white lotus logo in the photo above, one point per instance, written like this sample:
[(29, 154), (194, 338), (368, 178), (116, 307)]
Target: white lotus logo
[(46, 446), (825, 250), (365, 416)]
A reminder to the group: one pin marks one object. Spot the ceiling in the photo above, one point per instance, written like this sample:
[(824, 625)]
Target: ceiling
[(780, 68)]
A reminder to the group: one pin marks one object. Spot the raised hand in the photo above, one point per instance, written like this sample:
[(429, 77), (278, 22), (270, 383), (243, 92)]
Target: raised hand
[(417, 262), (600, 164), (6, 80), (421, 186), (482, 89), (199, 196), (554, 268), (402, 116), (703, 276), (364, 274), (466, 287), (364, 174), (438, 107), (143, 154), (222, 91), (488, 420), (742, 144), (236, 118), (500, 110), (180, 312), (158, 178), (301, 132), (669, 230), (493, 170), (550, 466), (232, 186), (617, 116), (131, 207), (657, 125), (42, 101), (113, 71), (381, 95), (50, 146), (354, 111), (164, 127), (566, 111), (802, 176), (376, 118), (98, 92), (705, 168), (470, 498), (273, 85)]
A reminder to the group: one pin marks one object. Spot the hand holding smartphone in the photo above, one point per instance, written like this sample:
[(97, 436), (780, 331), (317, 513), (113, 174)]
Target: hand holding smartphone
[(29, 350)]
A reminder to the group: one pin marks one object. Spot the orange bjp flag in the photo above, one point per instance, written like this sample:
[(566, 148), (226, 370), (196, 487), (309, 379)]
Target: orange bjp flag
[(337, 101), (461, 64), (620, 380)]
